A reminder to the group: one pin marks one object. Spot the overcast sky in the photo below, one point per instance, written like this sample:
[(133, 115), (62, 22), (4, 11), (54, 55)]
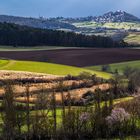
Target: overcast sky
[(67, 8)]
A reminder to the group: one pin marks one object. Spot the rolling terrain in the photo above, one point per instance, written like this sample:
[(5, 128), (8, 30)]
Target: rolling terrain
[(119, 66), (133, 38), (110, 25), (127, 31), (69, 77), (47, 68), (75, 57), (116, 25), (35, 22), (49, 83)]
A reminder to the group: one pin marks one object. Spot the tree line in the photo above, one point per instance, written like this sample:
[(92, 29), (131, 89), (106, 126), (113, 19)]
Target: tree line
[(16, 35)]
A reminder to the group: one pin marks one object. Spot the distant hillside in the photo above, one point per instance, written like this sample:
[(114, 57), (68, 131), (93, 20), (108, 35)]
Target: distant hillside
[(115, 25), (117, 16), (66, 23), (16, 35), (36, 22)]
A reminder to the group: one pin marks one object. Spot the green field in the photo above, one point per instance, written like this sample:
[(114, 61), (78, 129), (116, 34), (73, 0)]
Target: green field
[(123, 25), (111, 30), (4, 63), (133, 38), (48, 68), (113, 25), (88, 24), (119, 66)]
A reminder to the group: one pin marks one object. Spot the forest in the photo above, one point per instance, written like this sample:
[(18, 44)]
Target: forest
[(16, 35)]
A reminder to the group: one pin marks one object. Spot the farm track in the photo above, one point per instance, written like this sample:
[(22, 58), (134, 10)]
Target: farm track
[(76, 57)]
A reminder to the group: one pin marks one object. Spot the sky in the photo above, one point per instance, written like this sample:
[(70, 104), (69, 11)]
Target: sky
[(66, 8)]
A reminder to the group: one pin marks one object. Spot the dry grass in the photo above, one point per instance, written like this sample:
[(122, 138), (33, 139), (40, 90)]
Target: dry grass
[(6, 74), (48, 87), (75, 94)]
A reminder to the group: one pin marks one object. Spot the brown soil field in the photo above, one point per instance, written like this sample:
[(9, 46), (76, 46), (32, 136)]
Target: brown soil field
[(76, 57)]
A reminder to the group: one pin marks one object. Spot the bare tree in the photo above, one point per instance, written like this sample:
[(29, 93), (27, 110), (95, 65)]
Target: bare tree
[(54, 113), (9, 113), (42, 123), (28, 110)]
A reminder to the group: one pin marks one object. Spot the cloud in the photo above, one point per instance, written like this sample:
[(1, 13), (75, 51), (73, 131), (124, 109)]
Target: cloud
[(67, 8)]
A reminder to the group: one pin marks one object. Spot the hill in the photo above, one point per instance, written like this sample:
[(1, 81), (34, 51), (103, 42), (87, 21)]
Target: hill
[(48, 68), (36, 22), (16, 35), (66, 23), (119, 66), (117, 16), (133, 38), (115, 25)]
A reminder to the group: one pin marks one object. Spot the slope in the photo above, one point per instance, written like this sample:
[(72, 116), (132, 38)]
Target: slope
[(47, 68)]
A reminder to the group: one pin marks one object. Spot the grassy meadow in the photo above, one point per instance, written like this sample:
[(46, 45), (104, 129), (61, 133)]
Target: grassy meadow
[(119, 66), (133, 38), (123, 25), (113, 25), (47, 68)]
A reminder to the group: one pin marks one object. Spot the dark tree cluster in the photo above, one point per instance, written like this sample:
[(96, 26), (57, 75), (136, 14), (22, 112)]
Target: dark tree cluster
[(16, 35)]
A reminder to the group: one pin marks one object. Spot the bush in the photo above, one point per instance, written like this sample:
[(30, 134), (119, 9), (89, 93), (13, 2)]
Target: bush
[(106, 68)]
